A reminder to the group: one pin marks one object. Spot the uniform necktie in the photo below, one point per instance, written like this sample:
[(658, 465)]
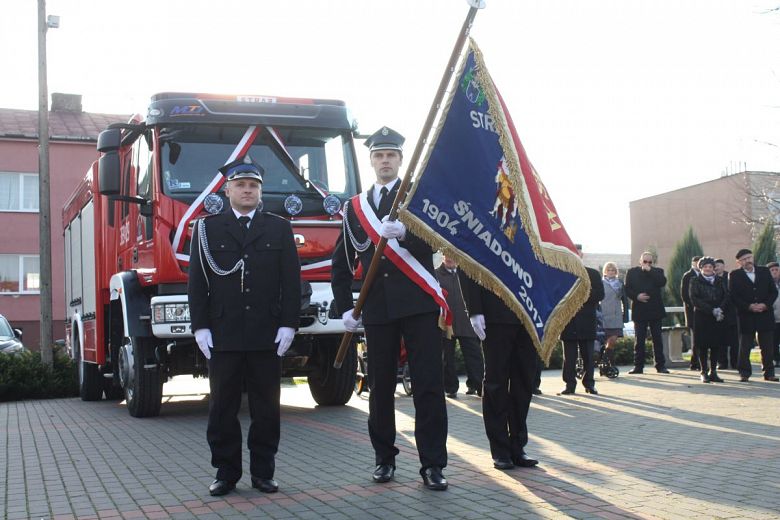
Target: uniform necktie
[(244, 221), (383, 198)]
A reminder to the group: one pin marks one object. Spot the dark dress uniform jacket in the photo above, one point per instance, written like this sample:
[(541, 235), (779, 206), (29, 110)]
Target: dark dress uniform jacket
[(271, 295), (744, 292), (393, 295), (583, 324), (651, 282)]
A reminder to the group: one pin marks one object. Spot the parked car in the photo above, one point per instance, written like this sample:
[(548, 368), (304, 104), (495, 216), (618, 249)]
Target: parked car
[(10, 339)]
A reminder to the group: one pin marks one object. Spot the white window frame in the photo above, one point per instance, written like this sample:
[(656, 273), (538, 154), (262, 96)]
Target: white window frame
[(22, 176), (20, 274)]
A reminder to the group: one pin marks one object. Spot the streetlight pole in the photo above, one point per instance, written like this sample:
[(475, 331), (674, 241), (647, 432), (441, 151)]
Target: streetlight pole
[(44, 199)]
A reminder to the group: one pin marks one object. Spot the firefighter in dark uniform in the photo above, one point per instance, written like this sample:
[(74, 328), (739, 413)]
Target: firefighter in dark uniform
[(510, 376), (244, 296), (395, 308)]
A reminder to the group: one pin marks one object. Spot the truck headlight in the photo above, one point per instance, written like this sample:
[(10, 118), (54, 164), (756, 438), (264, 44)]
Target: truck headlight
[(171, 313)]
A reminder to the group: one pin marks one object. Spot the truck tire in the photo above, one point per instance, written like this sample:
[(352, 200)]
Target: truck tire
[(142, 386), (90, 380), (330, 386)]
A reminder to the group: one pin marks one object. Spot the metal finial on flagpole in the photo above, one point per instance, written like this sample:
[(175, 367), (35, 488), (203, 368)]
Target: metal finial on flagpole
[(346, 340)]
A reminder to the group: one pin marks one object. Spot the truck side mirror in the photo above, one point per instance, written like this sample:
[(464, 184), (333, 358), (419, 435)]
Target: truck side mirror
[(108, 173), (109, 140)]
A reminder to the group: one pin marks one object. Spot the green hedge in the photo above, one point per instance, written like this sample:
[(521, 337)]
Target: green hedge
[(24, 376), (624, 355)]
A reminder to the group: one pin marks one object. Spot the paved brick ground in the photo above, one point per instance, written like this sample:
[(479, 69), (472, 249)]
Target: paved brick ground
[(649, 446)]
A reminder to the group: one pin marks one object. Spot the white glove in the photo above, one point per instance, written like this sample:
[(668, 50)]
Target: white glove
[(478, 324), (284, 337), (204, 341), (718, 313), (350, 323), (392, 229)]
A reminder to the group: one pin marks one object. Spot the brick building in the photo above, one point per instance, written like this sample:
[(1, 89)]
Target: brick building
[(73, 135), (721, 212)]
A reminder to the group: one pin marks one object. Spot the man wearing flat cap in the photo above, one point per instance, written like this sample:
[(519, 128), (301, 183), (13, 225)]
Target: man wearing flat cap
[(753, 293), (244, 295), (396, 308)]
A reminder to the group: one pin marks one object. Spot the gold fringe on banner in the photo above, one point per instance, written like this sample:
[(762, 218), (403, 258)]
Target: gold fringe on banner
[(550, 254)]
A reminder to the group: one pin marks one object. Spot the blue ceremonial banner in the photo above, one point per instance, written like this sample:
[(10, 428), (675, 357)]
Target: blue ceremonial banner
[(480, 200)]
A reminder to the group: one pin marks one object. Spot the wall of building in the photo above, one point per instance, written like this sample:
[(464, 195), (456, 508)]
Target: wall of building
[(716, 210), (68, 163)]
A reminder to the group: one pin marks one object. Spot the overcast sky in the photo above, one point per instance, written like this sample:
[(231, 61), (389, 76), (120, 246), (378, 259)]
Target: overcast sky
[(614, 100)]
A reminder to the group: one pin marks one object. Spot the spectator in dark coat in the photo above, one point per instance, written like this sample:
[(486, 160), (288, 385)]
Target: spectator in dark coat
[(451, 281), (774, 269), (689, 314), (709, 297), (644, 284), (730, 348), (580, 334), (753, 293)]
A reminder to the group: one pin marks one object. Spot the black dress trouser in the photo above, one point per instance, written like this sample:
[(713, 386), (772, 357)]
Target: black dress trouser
[(640, 329), (729, 352), (422, 339), (585, 347), (227, 372), (766, 342), (472, 359), (510, 373)]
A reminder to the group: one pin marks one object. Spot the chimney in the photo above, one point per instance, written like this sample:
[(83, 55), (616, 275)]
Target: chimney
[(66, 102)]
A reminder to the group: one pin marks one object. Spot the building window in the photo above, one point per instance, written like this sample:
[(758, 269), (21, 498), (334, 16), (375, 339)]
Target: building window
[(18, 192), (20, 274)]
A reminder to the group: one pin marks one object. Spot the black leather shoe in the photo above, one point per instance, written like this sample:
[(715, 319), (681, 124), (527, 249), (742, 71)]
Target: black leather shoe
[(221, 487), (503, 463), (452, 395), (715, 379), (591, 390), (566, 391), (705, 378), (471, 391), (266, 485), (537, 391), (524, 461), (662, 370), (743, 379), (771, 378), (636, 371), (433, 478), (383, 473), (694, 367)]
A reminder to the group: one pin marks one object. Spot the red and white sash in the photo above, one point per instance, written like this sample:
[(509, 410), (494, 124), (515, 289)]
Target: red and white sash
[(402, 258)]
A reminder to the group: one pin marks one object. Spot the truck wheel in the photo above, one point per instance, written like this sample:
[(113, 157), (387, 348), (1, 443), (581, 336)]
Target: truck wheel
[(406, 379), (140, 376), (90, 380), (330, 386)]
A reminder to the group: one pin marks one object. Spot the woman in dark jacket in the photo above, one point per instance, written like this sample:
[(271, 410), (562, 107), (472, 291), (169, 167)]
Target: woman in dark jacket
[(709, 296)]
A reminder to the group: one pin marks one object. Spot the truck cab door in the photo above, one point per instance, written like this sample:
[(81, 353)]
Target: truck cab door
[(144, 186)]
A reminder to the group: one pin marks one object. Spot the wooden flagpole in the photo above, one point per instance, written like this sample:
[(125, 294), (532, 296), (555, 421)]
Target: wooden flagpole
[(346, 340)]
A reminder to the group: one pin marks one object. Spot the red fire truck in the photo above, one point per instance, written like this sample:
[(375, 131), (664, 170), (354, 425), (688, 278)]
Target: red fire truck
[(128, 225)]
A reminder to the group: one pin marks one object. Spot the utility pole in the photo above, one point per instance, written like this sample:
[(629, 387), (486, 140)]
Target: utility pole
[(44, 199)]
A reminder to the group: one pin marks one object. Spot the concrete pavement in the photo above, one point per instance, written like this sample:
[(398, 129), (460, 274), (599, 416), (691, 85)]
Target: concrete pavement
[(649, 446)]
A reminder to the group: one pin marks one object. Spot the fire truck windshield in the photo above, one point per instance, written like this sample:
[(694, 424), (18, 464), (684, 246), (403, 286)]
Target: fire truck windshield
[(192, 154)]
